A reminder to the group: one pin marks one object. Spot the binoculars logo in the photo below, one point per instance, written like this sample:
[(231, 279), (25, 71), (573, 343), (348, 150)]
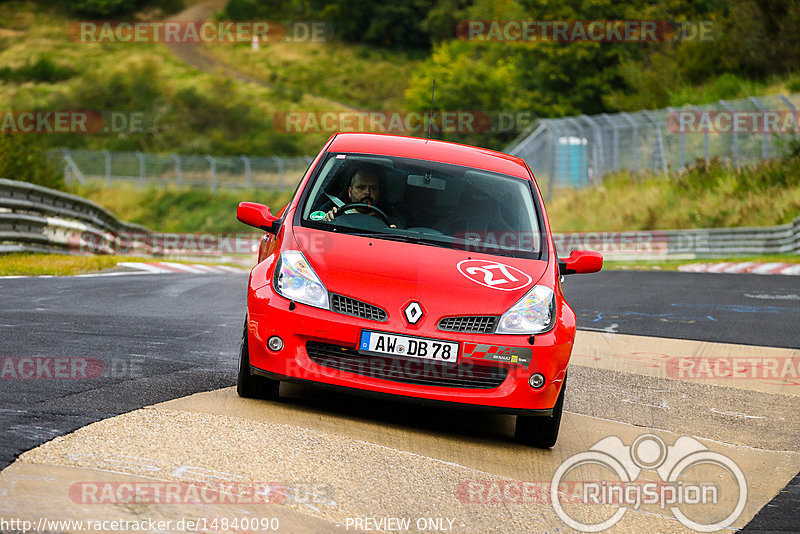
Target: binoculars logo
[(649, 452)]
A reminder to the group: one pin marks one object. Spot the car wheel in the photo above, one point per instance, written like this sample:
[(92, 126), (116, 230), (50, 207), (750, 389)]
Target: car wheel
[(539, 431), (249, 385)]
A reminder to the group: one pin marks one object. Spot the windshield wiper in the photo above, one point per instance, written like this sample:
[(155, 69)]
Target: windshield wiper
[(386, 235), (405, 238)]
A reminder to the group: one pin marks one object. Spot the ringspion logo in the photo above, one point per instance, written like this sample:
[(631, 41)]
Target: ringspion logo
[(722, 486)]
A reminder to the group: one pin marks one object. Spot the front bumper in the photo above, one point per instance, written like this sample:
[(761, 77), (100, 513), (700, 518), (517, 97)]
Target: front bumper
[(475, 383)]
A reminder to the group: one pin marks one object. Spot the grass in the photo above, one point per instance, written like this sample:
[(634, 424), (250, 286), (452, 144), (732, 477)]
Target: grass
[(359, 76), (673, 265), (180, 210), (55, 264), (185, 110), (706, 196), (732, 87), (35, 264), (27, 264)]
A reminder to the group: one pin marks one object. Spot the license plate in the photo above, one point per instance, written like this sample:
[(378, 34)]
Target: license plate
[(409, 347)]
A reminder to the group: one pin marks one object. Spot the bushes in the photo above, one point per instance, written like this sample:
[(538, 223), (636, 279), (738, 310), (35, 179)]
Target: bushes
[(201, 114), (103, 8), (23, 158), (397, 24), (43, 70), (170, 210), (704, 196), (468, 78), (114, 8)]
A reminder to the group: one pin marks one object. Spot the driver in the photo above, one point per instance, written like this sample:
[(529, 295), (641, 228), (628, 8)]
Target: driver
[(365, 188)]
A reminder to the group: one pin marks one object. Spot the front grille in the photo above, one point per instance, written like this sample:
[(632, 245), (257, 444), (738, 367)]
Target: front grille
[(422, 372), (356, 308), (470, 325)]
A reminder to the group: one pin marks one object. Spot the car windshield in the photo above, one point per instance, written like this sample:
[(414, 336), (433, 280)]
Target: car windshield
[(425, 202)]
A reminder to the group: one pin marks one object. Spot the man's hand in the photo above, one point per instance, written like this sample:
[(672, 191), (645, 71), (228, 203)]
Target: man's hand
[(330, 215)]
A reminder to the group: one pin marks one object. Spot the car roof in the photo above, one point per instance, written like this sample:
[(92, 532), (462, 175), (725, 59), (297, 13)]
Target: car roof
[(429, 149)]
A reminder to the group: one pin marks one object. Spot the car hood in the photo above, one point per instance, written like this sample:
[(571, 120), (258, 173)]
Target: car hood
[(390, 274)]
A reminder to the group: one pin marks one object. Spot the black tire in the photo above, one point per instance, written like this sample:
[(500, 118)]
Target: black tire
[(251, 386), (538, 431)]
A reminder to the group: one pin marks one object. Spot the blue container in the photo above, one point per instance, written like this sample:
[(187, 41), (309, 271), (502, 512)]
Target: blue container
[(571, 162)]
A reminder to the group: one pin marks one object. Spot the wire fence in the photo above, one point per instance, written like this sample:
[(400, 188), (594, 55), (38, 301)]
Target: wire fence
[(565, 152), (579, 151), (206, 171)]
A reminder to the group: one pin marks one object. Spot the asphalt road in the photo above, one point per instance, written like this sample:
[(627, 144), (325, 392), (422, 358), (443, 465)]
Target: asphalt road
[(150, 338), (165, 336), (136, 340), (727, 308)]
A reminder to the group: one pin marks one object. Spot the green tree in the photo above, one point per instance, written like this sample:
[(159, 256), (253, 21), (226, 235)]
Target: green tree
[(471, 78)]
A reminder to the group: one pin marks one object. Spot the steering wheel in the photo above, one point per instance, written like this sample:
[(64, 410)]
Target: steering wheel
[(350, 205)]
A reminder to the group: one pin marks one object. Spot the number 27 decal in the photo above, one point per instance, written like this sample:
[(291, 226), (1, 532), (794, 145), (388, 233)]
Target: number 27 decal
[(494, 275)]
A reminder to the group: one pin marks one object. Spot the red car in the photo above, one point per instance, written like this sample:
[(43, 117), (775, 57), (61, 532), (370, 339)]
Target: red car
[(418, 269)]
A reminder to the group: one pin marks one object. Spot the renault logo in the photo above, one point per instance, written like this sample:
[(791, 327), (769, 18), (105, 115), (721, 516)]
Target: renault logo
[(413, 313)]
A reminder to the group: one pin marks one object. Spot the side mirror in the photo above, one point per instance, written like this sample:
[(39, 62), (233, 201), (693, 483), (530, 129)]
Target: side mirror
[(258, 215), (581, 262)]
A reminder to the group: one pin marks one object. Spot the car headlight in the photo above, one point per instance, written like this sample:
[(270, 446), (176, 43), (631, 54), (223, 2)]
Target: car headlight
[(297, 281), (533, 314)]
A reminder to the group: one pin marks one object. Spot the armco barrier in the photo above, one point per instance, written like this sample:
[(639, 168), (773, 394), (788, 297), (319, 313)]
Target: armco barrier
[(685, 244), (38, 219), (35, 218)]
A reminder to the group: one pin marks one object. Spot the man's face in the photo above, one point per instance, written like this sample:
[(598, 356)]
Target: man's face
[(365, 188)]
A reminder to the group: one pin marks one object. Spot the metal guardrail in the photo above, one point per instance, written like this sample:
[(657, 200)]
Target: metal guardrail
[(686, 244), (38, 219)]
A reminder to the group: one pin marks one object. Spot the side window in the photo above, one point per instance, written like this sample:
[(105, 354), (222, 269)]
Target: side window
[(317, 198)]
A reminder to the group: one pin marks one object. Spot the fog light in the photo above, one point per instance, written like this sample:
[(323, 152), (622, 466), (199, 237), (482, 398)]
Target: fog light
[(536, 381), (275, 343)]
